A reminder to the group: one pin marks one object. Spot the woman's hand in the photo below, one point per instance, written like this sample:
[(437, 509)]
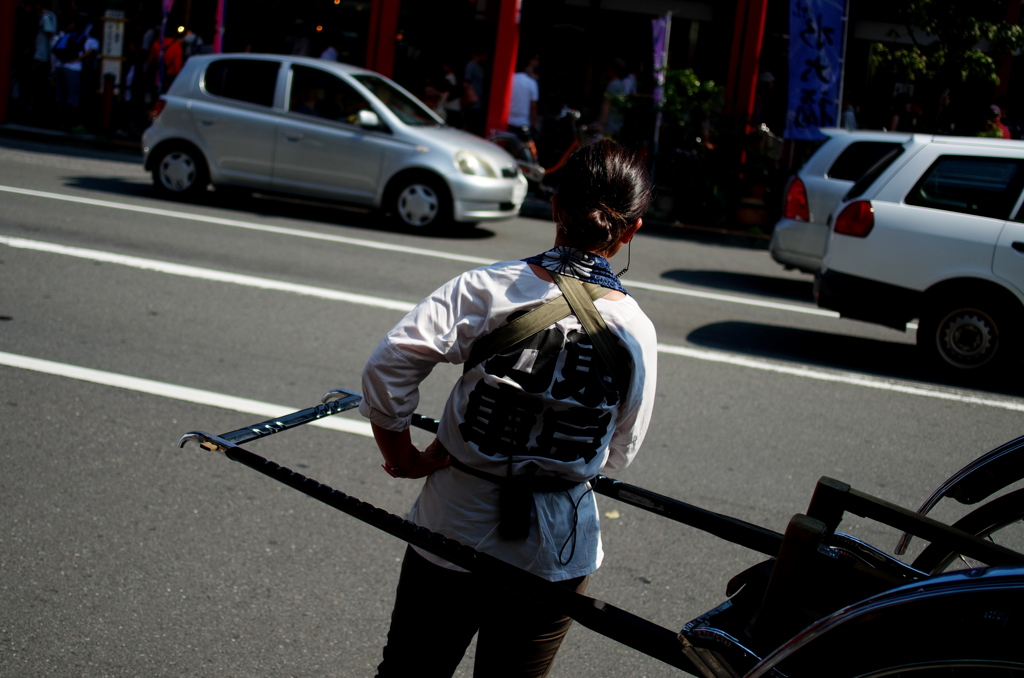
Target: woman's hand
[(433, 458), (403, 460)]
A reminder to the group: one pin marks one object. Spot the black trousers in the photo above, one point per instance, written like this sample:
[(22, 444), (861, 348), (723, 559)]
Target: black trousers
[(437, 611)]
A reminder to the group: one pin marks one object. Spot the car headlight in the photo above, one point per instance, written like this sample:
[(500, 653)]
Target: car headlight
[(470, 163)]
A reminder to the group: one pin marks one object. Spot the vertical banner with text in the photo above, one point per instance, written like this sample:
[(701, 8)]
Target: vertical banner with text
[(659, 34), (661, 30), (816, 35)]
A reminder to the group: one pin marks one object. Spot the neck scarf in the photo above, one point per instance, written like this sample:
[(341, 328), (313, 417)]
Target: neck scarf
[(585, 266)]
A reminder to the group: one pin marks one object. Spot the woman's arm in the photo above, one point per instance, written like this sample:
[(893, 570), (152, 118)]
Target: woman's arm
[(402, 459)]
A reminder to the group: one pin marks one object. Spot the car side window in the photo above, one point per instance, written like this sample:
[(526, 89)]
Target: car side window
[(249, 80), (858, 158), (323, 95), (986, 187)]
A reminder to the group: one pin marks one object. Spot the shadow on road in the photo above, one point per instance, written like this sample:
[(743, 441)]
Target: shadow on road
[(113, 185), (275, 206), (748, 283), (842, 352)]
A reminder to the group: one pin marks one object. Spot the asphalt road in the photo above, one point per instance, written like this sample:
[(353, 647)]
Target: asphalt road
[(122, 555)]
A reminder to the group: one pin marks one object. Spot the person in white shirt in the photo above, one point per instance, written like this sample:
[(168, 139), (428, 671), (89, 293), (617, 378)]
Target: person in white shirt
[(71, 71), (41, 68), (622, 84), (522, 110), (546, 414)]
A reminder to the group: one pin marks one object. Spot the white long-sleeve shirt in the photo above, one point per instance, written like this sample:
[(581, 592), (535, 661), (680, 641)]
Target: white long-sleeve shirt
[(539, 401)]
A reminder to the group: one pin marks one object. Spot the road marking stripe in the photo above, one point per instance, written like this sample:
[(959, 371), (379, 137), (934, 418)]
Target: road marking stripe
[(712, 356), (234, 223), (207, 274), (748, 301), (192, 395), (839, 377)]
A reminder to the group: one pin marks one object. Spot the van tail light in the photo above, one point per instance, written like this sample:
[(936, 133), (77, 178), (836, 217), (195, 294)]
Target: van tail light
[(157, 109), (856, 219), (796, 201)]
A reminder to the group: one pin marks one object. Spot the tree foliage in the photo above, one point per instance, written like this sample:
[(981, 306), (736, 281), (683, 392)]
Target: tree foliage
[(953, 42), (689, 102)]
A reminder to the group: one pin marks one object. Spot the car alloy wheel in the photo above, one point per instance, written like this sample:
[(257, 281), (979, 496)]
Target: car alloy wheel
[(418, 205), (178, 172)]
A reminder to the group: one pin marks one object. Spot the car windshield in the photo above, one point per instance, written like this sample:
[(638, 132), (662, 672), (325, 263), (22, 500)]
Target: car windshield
[(406, 108)]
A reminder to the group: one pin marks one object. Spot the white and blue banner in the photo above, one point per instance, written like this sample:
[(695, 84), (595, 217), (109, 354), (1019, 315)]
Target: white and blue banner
[(659, 33), (816, 33)]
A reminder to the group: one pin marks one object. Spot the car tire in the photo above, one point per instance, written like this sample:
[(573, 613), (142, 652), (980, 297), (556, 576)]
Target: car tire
[(966, 335), (179, 171), (419, 203)]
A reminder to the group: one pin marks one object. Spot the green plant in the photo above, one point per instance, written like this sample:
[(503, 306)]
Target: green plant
[(691, 106), (947, 37)]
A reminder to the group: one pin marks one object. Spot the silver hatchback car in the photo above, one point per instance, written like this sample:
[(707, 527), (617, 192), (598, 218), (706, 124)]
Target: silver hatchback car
[(799, 237), (324, 130)]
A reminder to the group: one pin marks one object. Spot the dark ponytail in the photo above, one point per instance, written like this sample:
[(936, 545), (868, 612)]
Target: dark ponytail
[(604, 189)]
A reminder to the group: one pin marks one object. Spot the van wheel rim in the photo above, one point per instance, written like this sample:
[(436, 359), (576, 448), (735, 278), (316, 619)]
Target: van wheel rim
[(967, 339), (177, 171), (418, 205)]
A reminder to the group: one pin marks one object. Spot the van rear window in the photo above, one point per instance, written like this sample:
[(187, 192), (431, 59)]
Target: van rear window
[(986, 187), (858, 158)]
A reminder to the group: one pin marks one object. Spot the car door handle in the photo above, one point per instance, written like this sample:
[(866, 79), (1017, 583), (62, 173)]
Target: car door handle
[(293, 136), (207, 123), (1018, 245)]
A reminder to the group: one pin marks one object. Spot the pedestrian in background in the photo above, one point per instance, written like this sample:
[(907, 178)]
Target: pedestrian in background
[(453, 104), (522, 112), (473, 87), (994, 126), (330, 52), (622, 84), (848, 118), (40, 82), (945, 121), (75, 57), (166, 59)]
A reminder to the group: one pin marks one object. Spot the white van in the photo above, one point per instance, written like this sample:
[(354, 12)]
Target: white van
[(936, 234)]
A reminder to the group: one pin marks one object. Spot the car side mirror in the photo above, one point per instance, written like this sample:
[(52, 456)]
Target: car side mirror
[(368, 119)]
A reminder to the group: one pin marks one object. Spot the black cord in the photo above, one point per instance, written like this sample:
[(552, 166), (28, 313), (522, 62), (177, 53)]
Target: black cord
[(575, 521), (629, 250)]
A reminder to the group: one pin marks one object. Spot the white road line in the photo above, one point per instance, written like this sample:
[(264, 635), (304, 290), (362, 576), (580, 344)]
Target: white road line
[(191, 395), (840, 377), (378, 302), (248, 225), (207, 274), (479, 261), (749, 301), (270, 410)]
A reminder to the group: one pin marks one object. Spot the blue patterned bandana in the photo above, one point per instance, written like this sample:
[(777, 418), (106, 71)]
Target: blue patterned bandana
[(585, 266)]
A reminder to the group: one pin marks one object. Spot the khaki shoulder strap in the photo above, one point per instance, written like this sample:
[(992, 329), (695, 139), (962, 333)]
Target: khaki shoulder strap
[(527, 325), (597, 329)]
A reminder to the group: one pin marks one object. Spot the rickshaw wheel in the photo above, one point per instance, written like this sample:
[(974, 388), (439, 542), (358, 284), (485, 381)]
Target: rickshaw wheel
[(985, 521)]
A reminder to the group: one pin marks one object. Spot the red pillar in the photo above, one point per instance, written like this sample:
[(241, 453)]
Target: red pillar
[(745, 58), (218, 27), (380, 47), (505, 52), (6, 41)]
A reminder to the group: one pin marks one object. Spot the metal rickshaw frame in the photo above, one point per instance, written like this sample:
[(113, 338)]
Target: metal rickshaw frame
[(819, 595)]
